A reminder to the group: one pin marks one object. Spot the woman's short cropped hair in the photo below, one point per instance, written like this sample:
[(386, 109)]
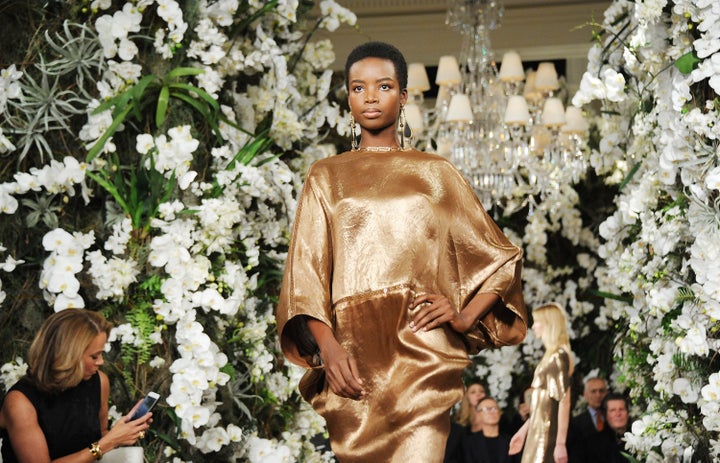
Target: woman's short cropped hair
[(55, 356), (379, 50)]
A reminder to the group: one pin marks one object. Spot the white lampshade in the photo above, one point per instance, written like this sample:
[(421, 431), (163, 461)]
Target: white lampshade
[(418, 81), (448, 72), (460, 109), (511, 68), (414, 118), (546, 78), (574, 121), (553, 113), (531, 93), (516, 111)]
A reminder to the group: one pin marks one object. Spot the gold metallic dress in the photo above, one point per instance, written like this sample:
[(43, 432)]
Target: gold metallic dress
[(371, 231), (550, 384)]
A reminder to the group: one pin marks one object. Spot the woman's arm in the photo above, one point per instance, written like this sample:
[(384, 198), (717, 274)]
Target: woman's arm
[(104, 400), (518, 440), (560, 452), (438, 309), (340, 368)]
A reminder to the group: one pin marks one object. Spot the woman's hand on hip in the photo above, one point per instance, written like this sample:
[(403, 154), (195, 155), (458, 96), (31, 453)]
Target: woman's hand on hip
[(433, 310)]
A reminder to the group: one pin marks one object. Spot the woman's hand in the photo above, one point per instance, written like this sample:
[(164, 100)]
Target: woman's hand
[(560, 453), (433, 311), (126, 432), (518, 440), (341, 370)]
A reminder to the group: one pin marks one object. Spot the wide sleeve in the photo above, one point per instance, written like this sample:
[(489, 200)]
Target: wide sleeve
[(558, 374), (484, 261), (305, 290)]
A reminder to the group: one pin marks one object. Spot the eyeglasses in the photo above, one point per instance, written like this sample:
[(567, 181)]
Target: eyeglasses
[(488, 409)]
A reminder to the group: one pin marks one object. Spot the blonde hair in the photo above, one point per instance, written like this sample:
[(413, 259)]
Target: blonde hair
[(55, 356), (465, 413), (555, 331)]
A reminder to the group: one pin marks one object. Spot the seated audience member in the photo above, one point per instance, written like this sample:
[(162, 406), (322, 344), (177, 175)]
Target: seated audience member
[(485, 443), (583, 441), (618, 420), (606, 446), (59, 409), (460, 426)]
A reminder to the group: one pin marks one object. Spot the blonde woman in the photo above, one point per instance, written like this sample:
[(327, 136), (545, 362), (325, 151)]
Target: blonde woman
[(474, 393), (463, 421), (59, 411), (544, 433)]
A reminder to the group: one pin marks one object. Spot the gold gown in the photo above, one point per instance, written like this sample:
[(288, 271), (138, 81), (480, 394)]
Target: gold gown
[(371, 231), (550, 384)]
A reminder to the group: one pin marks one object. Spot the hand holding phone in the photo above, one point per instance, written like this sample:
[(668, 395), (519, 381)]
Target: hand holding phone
[(146, 405)]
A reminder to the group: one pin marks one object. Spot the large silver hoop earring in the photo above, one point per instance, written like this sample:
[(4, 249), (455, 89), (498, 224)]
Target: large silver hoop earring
[(353, 137)]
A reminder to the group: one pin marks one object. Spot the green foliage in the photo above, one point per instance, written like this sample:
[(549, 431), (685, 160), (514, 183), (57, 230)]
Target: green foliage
[(687, 62)]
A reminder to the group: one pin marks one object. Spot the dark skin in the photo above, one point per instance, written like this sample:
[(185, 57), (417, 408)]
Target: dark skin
[(375, 98)]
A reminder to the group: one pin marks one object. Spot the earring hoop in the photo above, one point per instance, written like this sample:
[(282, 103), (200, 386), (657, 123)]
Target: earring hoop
[(353, 137), (405, 129)]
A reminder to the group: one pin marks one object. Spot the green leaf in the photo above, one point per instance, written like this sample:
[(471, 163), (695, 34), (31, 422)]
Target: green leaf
[(98, 146), (110, 189), (687, 62), (199, 92), (183, 71), (208, 116), (630, 175), (250, 150), (617, 297), (162, 106), (137, 93)]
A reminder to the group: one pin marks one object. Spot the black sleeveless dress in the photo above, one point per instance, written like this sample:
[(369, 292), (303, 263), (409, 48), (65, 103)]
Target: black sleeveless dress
[(70, 420)]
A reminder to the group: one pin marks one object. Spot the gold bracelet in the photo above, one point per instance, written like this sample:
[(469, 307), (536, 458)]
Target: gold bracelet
[(96, 451)]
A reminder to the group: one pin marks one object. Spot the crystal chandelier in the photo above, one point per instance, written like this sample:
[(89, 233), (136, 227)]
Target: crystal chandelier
[(506, 131)]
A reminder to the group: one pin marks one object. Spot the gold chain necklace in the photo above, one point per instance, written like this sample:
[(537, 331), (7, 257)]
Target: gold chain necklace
[(381, 149)]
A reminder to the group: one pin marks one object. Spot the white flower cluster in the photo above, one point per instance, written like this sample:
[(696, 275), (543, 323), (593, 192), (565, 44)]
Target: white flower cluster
[(114, 31), (170, 157), (11, 372), (54, 178), (292, 447), (201, 250), (9, 89), (59, 269), (661, 245)]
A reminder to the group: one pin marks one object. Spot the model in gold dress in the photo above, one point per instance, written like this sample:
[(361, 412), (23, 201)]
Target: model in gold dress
[(544, 433), (394, 273)]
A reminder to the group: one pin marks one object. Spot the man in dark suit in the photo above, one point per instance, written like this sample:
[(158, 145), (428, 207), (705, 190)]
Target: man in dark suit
[(584, 443), (486, 445)]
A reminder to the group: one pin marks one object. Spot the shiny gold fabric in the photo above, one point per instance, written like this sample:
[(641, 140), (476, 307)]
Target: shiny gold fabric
[(550, 384), (371, 231)]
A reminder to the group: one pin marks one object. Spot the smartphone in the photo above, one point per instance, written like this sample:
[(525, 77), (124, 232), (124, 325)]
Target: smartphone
[(147, 404)]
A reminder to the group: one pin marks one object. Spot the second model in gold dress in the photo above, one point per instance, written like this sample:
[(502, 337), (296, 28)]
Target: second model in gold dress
[(373, 230), (550, 384)]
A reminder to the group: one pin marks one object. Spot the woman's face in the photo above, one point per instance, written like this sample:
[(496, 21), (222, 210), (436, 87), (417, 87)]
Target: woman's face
[(474, 393), (539, 328), (92, 358), (374, 94)]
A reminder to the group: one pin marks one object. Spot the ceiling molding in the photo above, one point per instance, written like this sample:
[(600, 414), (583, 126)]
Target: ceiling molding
[(552, 29)]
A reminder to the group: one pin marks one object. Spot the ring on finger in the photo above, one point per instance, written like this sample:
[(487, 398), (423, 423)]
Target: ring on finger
[(141, 435)]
